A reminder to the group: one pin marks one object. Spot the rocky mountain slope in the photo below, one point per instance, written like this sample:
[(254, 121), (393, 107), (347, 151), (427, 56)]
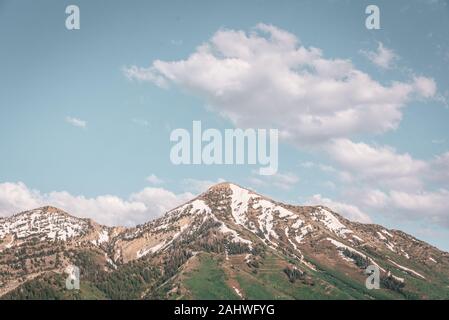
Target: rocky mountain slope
[(227, 243)]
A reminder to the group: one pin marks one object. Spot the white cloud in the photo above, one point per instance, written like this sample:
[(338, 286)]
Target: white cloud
[(382, 57), (76, 122), (379, 179), (426, 204), (426, 87), (153, 179), (267, 78), (16, 197), (159, 200), (385, 167), (349, 211), (375, 199), (142, 74), (430, 207), (377, 164), (110, 210)]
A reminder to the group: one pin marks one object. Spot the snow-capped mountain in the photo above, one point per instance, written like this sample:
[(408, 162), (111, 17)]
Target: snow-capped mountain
[(326, 253), (45, 223), (49, 224)]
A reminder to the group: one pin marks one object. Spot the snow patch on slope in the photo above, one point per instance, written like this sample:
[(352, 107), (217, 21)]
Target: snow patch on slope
[(304, 231), (407, 269), (103, 237), (153, 249), (238, 292), (381, 236), (331, 222), (390, 246), (266, 219), (386, 232), (297, 224), (340, 245), (235, 236), (239, 203)]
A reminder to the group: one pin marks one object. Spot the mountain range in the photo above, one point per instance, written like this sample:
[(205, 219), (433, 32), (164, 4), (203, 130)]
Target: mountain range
[(227, 243)]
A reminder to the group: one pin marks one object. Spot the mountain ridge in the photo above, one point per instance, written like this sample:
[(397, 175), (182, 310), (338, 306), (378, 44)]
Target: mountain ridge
[(239, 227)]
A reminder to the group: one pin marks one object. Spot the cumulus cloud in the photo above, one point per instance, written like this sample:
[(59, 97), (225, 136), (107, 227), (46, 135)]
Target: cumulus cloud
[(377, 164), (267, 79), (382, 57), (374, 198), (385, 167), (382, 180), (419, 205), (16, 197), (349, 211), (428, 204), (76, 122), (110, 210)]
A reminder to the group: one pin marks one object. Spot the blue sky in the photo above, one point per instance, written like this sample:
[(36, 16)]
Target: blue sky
[(75, 131)]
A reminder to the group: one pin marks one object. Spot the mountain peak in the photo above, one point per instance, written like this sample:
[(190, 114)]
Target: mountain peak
[(44, 210), (227, 186), (47, 212), (222, 185), (50, 209)]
